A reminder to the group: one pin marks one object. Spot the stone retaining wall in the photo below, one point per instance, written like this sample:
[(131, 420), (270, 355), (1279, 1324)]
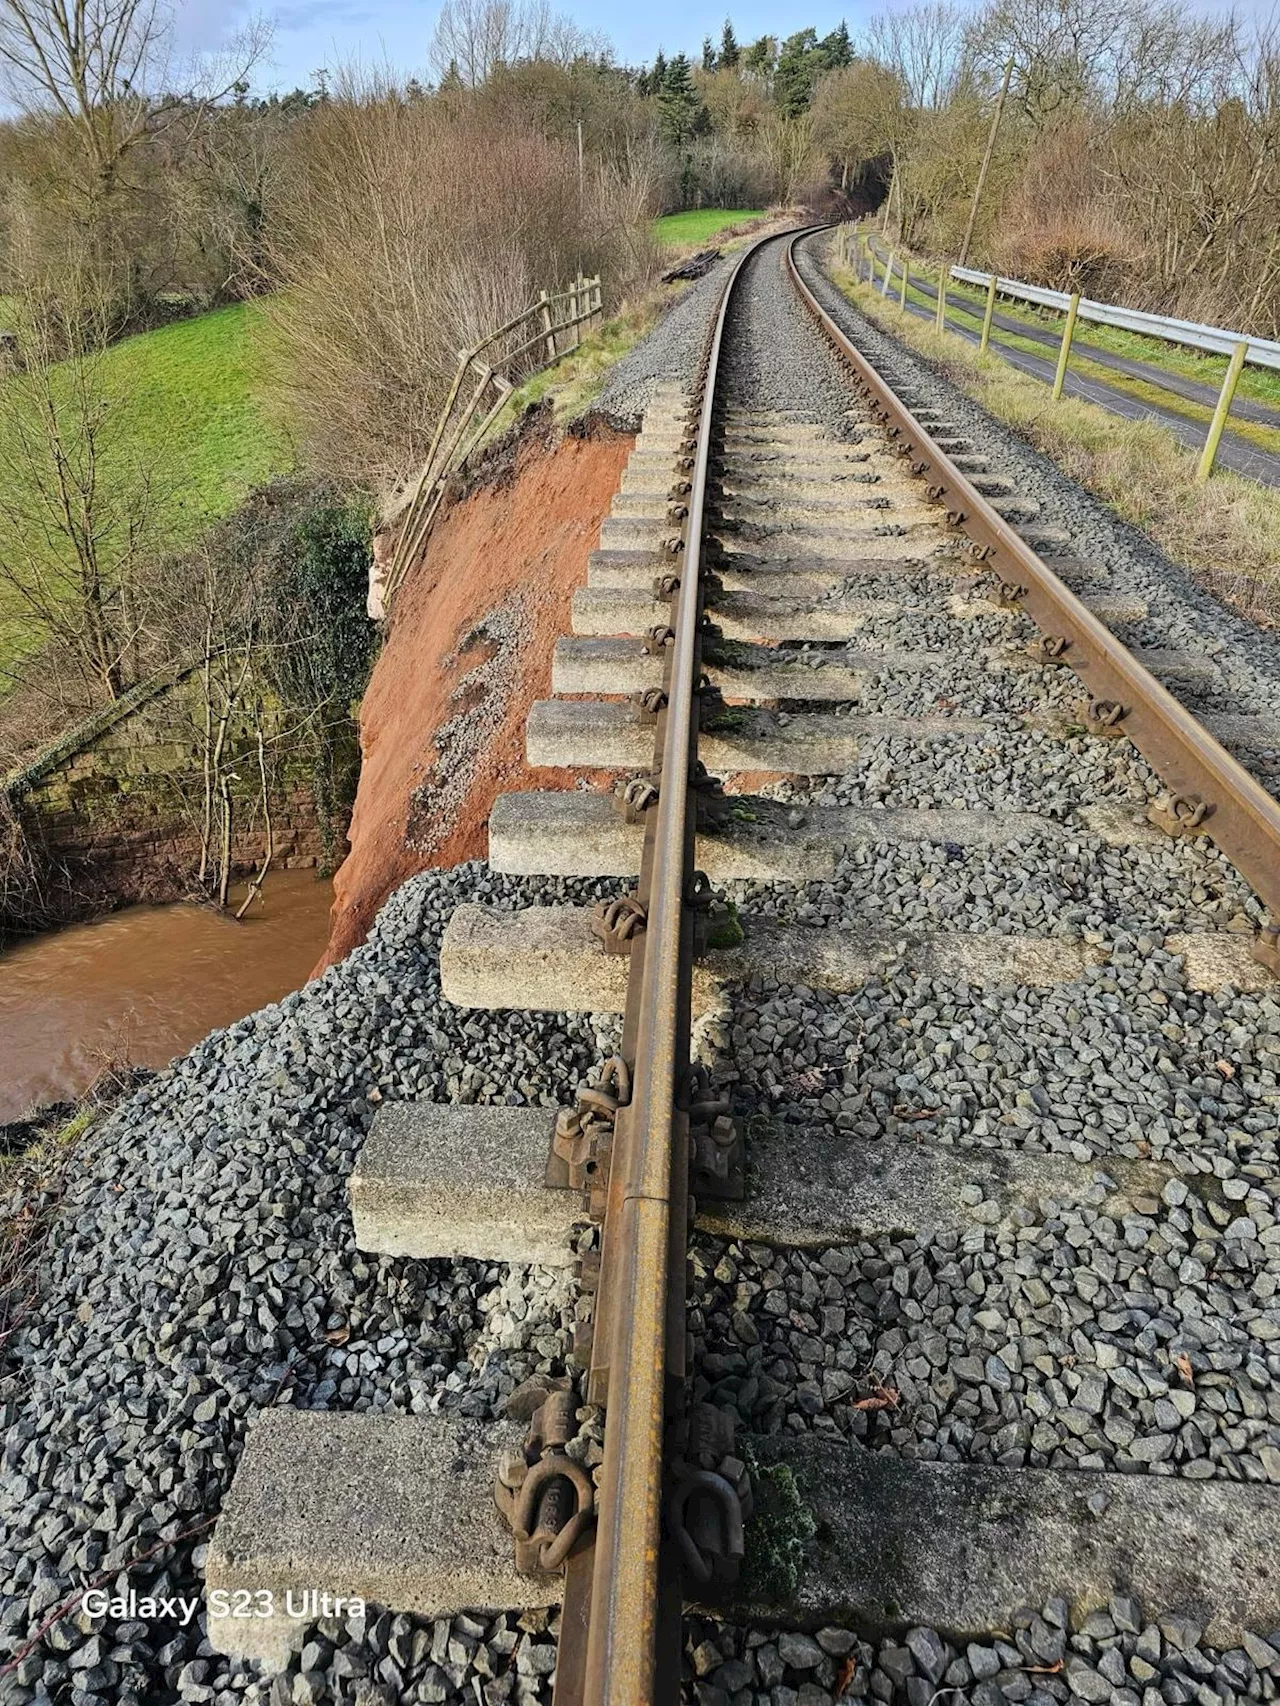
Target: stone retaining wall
[(114, 807)]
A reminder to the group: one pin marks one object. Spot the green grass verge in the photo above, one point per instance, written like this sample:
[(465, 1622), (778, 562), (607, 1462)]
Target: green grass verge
[(188, 403), (679, 230), (195, 399), (574, 381), (1226, 531)]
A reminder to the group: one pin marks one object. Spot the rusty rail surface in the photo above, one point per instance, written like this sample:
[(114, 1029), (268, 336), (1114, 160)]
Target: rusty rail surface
[(649, 1130), (621, 1624)]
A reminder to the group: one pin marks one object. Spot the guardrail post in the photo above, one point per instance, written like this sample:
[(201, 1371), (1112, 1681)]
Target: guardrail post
[(940, 319), (1209, 455), (888, 273), (1064, 354), (985, 339)]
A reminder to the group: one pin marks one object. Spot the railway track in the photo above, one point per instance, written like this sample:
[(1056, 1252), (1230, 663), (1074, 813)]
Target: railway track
[(737, 652)]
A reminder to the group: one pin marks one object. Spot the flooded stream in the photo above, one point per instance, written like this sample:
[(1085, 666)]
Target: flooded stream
[(145, 984)]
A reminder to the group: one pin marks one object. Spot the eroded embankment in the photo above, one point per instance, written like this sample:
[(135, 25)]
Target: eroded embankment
[(468, 650)]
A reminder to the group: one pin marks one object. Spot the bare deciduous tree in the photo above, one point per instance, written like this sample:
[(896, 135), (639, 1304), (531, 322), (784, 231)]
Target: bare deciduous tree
[(860, 113), (413, 229), (77, 511), (106, 67), (475, 37)]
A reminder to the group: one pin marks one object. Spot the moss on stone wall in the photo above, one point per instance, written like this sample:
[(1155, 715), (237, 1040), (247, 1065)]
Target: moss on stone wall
[(114, 808)]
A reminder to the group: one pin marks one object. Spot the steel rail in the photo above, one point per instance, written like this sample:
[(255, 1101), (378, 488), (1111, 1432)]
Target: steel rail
[(1238, 812), (621, 1665)]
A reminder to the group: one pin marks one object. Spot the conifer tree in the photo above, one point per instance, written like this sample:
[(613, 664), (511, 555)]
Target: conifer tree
[(799, 62), (761, 57), (678, 103), (708, 54), (837, 49), (729, 50)]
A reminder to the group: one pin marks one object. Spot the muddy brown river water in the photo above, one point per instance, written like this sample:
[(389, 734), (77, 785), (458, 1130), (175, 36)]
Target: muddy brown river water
[(145, 984)]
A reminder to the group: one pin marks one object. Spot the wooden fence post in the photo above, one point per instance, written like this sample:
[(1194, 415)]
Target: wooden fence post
[(985, 339), (1209, 455), (1064, 353), (888, 274), (940, 322), (902, 300), (545, 306)]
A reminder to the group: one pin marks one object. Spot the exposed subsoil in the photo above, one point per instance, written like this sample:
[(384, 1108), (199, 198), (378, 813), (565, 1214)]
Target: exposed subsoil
[(469, 649)]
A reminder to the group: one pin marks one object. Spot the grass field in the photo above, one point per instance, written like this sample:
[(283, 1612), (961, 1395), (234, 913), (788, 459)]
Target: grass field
[(679, 230), (192, 402), (187, 403)]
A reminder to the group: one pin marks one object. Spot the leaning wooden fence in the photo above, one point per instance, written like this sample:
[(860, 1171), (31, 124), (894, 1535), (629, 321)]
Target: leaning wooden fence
[(539, 335)]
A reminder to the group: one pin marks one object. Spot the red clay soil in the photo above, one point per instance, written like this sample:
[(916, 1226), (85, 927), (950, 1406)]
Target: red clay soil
[(469, 649)]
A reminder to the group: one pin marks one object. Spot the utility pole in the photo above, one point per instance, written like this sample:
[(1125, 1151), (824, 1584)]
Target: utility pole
[(986, 161)]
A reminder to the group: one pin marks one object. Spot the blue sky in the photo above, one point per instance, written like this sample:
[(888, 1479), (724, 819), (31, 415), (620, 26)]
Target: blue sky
[(312, 33)]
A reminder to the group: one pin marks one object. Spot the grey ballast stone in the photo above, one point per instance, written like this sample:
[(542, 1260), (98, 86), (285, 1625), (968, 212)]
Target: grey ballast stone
[(397, 1510), (439, 1179), (962, 1548)]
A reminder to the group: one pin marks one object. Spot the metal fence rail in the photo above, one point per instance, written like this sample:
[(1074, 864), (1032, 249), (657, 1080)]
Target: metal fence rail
[(1214, 340)]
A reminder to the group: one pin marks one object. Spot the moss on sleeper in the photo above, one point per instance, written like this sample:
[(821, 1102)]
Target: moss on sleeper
[(780, 1527), (728, 932)]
